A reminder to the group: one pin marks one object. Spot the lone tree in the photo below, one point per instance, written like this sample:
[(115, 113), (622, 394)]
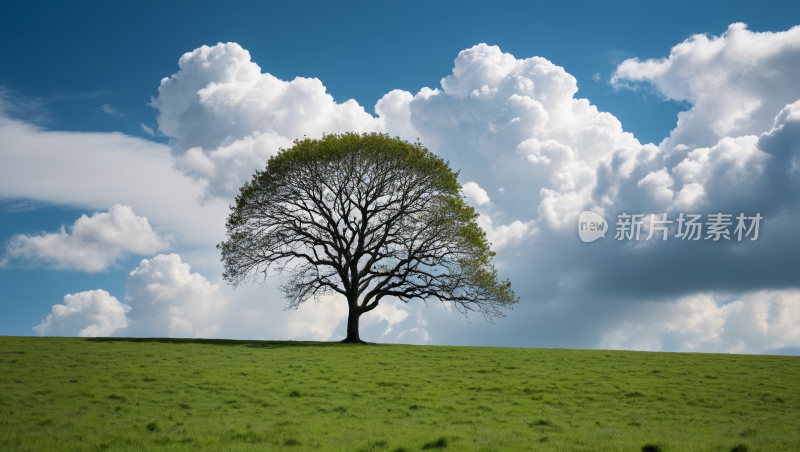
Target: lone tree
[(366, 216)]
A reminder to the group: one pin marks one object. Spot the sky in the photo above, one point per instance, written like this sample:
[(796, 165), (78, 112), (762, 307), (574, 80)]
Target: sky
[(126, 130)]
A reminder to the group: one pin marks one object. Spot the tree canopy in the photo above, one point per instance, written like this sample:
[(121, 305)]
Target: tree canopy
[(365, 216)]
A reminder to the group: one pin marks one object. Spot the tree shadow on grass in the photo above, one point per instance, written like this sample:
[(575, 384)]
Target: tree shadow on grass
[(231, 342)]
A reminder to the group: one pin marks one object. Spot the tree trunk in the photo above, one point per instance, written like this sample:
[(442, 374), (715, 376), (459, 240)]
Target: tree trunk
[(352, 328)]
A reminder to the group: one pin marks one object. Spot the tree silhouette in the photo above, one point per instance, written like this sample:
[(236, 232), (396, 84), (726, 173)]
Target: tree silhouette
[(366, 216)]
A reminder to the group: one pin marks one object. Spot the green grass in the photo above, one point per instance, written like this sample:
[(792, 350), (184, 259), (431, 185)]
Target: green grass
[(72, 394)]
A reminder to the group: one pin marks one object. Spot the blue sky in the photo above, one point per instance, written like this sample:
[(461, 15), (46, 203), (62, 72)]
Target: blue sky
[(90, 128)]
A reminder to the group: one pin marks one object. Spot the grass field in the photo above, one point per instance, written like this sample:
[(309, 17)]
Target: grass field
[(71, 394)]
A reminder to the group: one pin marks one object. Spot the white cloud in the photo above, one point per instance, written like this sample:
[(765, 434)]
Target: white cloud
[(166, 298), (314, 321), (99, 170), (731, 168), (225, 169), (220, 96), (691, 197), (92, 244), (502, 121), (495, 109), (390, 311), (230, 117), (596, 77), (227, 118), (504, 236), (736, 82), (418, 334), (148, 130), (756, 322), (109, 110), (254, 311), (477, 67), (499, 119), (475, 193), (94, 313), (394, 115), (658, 184)]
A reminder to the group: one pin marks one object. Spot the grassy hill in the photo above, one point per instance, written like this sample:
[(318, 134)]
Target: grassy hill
[(73, 394)]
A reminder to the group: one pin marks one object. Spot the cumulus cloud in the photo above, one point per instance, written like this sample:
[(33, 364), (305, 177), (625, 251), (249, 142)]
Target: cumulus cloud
[(418, 334), (567, 180), (390, 312), (729, 170), (518, 123), (315, 321), (394, 115), (507, 235), (495, 110), (219, 95), (736, 83), (226, 117), (94, 313), (511, 125), (517, 126), (658, 185), (475, 193), (92, 244), (166, 298), (506, 101), (98, 170), (163, 298), (500, 236), (224, 169), (148, 130), (756, 322), (725, 151)]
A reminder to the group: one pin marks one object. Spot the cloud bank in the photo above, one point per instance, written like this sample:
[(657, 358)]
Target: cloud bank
[(754, 323), (516, 127), (163, 298)]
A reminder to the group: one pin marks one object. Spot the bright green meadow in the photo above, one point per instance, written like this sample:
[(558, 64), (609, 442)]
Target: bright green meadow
[(75, 394)]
